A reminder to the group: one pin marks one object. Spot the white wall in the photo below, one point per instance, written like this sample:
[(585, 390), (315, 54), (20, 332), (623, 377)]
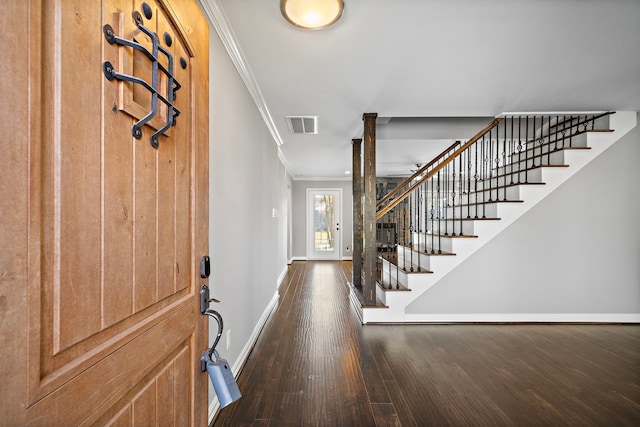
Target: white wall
[(577, 251), (248, 246), (298, 216)]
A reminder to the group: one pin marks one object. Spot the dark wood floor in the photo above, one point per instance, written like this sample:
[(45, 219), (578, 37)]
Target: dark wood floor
[(315, 365)]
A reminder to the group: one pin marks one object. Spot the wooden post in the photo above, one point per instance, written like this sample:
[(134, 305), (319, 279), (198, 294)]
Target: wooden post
[(356, 175), (369, 218)]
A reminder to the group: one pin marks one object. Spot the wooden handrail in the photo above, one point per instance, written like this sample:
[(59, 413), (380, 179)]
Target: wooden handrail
[(455, 154), (418, 173)]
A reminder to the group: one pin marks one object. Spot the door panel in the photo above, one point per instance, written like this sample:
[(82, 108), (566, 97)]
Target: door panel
[(114, 228), (323, 223)]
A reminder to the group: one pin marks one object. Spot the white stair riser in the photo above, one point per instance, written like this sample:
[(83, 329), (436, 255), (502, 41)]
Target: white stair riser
[(451, 227), (427, 261), (517, 165), (407, 257), (579, 139), (391, 275), (533, 176), (482, 195), (425, 240), (488, 210)]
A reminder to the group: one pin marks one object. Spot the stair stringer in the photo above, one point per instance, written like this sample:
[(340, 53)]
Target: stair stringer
[(621, 123)]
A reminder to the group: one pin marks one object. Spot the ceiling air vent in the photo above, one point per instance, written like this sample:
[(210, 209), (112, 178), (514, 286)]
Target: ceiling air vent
[(306, 125)]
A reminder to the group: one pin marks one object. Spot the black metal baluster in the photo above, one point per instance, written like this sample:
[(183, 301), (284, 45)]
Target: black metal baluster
[(432, 216), (520, 150), (461, 187), (401, 225), (396, 229), (526, 151), (412, 202), (490, 165), (453, 197), (390, 249), (439, 202), (496, 160), (425, 214), (468, 154), (511, 151), (559, 142), (504, 162), (476, 177), (556, 140), (445, 192), (397, 243), (493, 161), (483, 173), (571, 133), (543, 136), (403, 238), (419, 227)]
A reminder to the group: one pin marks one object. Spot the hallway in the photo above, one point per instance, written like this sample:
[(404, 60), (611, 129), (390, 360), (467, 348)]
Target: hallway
[(314, 364)]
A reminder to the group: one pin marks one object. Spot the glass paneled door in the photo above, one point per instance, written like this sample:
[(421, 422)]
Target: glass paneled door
[(324, 216)]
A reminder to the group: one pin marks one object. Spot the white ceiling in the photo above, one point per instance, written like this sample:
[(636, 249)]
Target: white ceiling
[(427, 59)]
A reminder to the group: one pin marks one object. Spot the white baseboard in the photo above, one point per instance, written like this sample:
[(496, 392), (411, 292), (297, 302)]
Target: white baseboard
[(244, 354), (525, 318), (347, 258), (299, 258), (282, 275), (214, 406)]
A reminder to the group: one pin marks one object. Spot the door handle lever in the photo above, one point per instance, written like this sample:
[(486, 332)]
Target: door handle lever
[(205, 299)]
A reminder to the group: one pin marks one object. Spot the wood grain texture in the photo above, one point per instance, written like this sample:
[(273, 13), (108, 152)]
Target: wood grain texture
[(369, 208), (314, 364), (15, 195), (94, 327)]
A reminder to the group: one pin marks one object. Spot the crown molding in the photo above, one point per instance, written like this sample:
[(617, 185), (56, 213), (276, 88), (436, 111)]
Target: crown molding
[(214, 12)]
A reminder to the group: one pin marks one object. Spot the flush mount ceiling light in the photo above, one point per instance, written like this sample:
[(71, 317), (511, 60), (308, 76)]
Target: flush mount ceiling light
[(312, 14)]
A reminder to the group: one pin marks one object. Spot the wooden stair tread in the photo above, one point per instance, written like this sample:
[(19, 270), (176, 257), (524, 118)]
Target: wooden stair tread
[(502, 175), (487, 202), (414, 266), (503, 186), (421, 248), (400, 288), (428, 252), (566, 138), (465, 236), (532, 167), (526, 154), (471, 219)]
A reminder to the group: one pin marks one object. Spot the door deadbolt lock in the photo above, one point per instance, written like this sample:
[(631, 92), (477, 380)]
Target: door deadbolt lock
[(205, 267)]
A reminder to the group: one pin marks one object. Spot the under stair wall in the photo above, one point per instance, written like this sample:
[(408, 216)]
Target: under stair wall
[(573, 257)]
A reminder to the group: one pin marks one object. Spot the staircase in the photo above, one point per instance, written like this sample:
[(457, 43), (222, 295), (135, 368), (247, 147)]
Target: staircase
[(450, 208)]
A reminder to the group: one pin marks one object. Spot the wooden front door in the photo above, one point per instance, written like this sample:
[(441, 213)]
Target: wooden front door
[(101, 233)]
